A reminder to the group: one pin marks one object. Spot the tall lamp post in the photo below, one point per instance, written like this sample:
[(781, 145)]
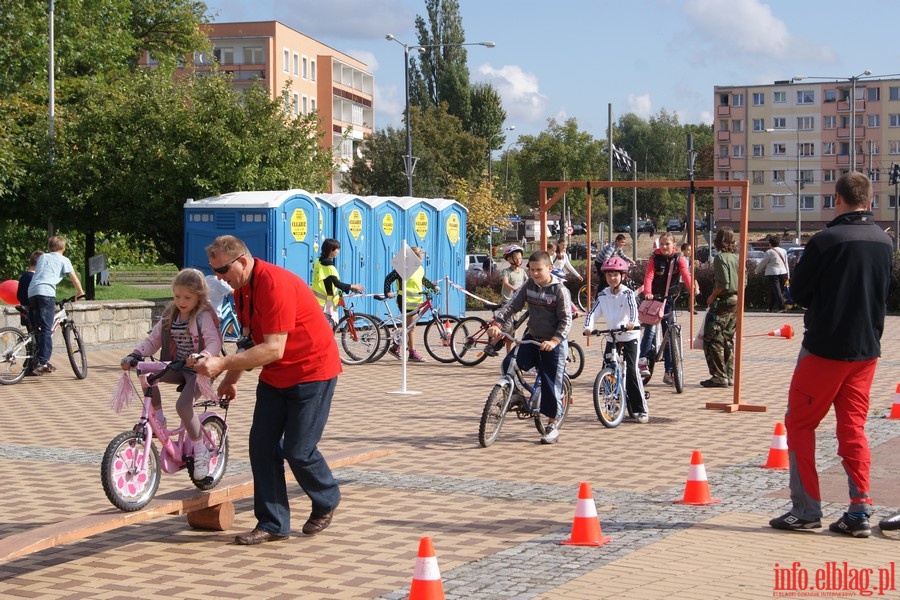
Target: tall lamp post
[(408, 161), (797, 192)]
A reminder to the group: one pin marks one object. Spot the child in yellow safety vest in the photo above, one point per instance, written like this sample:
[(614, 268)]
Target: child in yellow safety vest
[(325, 280), (416, 283)]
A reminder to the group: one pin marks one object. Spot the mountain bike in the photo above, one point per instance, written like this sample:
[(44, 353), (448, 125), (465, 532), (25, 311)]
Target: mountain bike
[(512, 393), (18, 350), (609, 386), (671, 339), (437, 331), (358, 335), (131, 466)]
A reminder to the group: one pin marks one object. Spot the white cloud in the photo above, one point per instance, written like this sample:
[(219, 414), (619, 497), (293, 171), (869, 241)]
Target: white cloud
[(519, 91), (365, 56), (641, 105)]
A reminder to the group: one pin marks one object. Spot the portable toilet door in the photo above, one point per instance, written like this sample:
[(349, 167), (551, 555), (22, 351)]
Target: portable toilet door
[(450, 255), (249, 216), (386, 237), (300, 233), (352, 227)]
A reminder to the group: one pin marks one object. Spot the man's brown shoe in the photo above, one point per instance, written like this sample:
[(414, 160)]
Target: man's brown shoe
[(316, 524), (258, 536)]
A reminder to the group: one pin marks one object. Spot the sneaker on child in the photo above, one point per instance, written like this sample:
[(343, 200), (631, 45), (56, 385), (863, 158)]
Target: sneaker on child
[(642, 418), (789, 522), (668, 379), (415, 356), (395, 351), (551, 434), (644, 367), (201, 461)]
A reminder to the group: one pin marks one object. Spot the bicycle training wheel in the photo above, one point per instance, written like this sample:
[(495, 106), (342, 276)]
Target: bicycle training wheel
[(437, 338), (15, 359), (493, 414), (75, 350), (574, 360), (677, 358), (468, 341), (357, 338), (128, 486), (609, 398), (541, 421), (216, 429)]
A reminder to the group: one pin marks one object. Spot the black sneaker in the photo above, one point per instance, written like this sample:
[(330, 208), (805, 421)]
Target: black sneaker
[(489, 350), (789, 522), (853, 526), (891, 523)]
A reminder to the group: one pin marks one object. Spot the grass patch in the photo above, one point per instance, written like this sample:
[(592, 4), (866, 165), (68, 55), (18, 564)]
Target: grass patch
[(117, 291)]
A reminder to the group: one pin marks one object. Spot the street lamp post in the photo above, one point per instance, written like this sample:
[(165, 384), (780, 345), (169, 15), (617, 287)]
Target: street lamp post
[(408, 161), (797, 193)]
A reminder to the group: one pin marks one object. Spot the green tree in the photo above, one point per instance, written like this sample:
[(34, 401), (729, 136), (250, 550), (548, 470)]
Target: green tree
[(484, 209)]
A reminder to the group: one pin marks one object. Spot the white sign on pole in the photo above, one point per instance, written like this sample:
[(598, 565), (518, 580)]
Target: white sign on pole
[(405, 262)]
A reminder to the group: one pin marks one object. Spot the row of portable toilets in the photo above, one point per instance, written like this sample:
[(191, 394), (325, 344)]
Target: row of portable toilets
[(287, 228)]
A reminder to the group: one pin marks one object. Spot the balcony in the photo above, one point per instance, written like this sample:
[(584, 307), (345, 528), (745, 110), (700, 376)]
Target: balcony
[(844, 105), (723, 110), (843, 160), (723, 136)]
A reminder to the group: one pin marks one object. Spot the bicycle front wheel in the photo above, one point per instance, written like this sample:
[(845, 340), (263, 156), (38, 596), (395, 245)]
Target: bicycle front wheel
[(609, 398), (494, 412), (468, 341), (127, 484), (15, 359), (582, 298), (358, 336), (541, 421), (75, 350), (574, 360), (216, 440), (437, 338), (677, 358)]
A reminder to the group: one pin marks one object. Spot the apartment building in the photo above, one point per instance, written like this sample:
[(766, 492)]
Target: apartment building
[(793, 139), (322, 80)]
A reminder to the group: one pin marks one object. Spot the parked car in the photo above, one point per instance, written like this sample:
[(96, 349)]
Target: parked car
[(794, 253), (754, 256), (700, 224), (646, 226), (704, 254), (475, 262), (623, 228), (674, 225)]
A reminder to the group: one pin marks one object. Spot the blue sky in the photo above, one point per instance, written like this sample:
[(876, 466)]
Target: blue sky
[(570, 58)]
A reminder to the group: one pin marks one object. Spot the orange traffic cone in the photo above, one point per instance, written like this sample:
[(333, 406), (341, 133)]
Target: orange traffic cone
[(778, 452), (895, 408), (785, 331), (446, 340), (426, 581), (586, 525), (696, 490)]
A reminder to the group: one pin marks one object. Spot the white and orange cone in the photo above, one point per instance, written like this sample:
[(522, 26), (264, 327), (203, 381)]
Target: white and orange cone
[(785, 331), (696, 490), (778, 452), (895, 408), (586, 525), (426, 581)]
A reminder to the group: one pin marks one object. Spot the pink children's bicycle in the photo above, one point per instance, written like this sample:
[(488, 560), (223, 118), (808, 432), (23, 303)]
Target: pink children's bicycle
[(132, 464)]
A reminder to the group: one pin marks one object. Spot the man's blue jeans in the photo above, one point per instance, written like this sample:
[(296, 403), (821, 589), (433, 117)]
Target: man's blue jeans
[(43, 309), (287, 425)]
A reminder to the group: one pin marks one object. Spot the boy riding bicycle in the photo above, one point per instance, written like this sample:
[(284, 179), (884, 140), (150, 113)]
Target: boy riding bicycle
[(618, 305), (549, 321)]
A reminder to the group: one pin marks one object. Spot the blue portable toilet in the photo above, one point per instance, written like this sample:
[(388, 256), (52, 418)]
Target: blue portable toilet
[(352, 228), (279, 227), (386, 236), (450, 251)]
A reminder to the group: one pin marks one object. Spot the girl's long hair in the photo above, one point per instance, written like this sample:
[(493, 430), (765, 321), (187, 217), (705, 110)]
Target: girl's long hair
[(194, 281)]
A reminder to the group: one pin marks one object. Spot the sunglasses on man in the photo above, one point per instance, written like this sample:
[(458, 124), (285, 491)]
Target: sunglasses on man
[(224, 269)]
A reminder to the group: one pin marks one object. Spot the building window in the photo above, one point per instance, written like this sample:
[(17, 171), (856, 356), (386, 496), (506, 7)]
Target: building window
[(807, 149), (759, 150), (874, 175), (723, 151), (305, 68), (874, 147), (806, 178), (828, 201), (779, 122), (756, 203), (843, 148), (759, 99), (829, 96), (873, 94), (874, 202), (758, 177), (778, 176), (759, 124), (737, 100), (828, 148), (224, 56), (295, 108), (287, 60), (312, 70), (806, 123), (296, 64), (723, 125), (253, 55), (305, 105), (724, 175), (736, 202), (828, 176), (724, 202), (737, 151), (312, 105), (894, 147), (777, 201), (737, 126), (779, 149), (894, 120), (829, 122), (892, 201), (894, 93), (738, 176), (779, 97), (807, 202), (873, 120), (806, 97), (723, 99)]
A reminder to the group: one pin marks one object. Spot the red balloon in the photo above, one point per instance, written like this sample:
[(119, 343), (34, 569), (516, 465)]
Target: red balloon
[(8, 291)]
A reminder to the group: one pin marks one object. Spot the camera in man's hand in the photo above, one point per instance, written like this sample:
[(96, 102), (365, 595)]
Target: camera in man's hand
[(244, 343)]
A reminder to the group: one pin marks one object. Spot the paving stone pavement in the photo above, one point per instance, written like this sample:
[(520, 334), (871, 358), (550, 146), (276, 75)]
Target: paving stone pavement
[(496, 515)]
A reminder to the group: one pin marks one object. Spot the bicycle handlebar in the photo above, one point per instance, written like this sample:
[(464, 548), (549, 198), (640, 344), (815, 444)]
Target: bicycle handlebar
[(611, 332), (518, 341)]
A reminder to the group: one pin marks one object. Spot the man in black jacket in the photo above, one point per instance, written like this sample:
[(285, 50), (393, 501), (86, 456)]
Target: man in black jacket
[(843, 279)]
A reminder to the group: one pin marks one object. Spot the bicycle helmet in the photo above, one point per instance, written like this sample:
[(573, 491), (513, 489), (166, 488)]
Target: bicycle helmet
[(512, 249), (614, 263)]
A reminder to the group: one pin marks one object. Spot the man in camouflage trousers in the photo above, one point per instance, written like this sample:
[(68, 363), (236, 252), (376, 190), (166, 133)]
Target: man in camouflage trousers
[(721, 319)]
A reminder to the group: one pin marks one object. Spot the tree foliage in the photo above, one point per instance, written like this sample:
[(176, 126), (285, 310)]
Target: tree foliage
[(485, 210)]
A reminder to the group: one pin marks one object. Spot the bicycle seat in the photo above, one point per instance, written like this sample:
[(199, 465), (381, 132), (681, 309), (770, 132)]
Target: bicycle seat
[(491, 306), (379, 297)]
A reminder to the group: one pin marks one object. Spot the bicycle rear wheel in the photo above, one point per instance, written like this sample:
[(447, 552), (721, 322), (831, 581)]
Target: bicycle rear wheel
[(582, 298), (494, 412), (127, 486), (468, 341), (541, 421), (15, 358), (357, 338), (574, 360), (75, 350), (677, 358), (217, 443), (437, 338), (609, 398)]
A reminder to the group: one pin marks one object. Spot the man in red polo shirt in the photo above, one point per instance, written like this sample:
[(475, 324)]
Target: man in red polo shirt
[(294, 345)]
